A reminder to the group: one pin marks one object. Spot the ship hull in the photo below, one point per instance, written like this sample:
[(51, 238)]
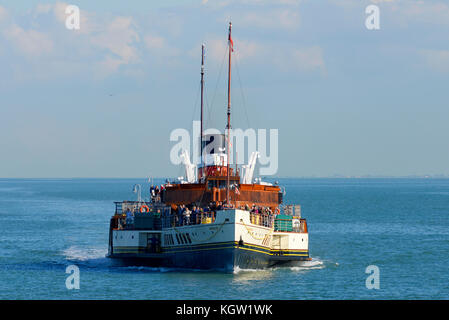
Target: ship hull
[(230, 243), (219, 259)]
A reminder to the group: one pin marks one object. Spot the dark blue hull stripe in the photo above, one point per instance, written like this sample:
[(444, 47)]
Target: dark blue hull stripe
[(226, 255), (215, 246)]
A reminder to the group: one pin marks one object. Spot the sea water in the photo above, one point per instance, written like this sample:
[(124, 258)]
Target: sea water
[(401, 226)]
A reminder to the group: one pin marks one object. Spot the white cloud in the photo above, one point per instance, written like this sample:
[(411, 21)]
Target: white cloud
[(102, 44), (280, 18), (4, 16), (29, 42), (154, 42), (108, 66), (215, 49), (2, 13), (286, 57), (222, 3), (43, 8), (119, 38), (437, 60), (309, 58), (109, 44), (87, 19), (160, 52), (59, 11), (409, 11), (424, 11), (245, 49), (159, 46)]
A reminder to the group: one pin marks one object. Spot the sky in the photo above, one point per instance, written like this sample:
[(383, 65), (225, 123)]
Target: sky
[(102, 101)]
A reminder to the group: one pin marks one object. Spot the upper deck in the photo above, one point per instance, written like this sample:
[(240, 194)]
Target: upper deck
[(134, 215), (214, 190)]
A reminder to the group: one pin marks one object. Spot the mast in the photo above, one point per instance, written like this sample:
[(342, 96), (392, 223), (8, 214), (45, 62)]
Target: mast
[(228, 127), (202, 93)]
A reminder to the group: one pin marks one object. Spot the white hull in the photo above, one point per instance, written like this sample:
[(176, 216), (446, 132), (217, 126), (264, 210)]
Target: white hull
[(232, 240)]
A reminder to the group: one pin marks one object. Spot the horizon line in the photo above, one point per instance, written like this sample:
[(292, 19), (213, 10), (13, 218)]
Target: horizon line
[(429, 176)]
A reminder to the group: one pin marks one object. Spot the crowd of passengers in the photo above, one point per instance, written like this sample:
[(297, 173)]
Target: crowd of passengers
[(156, 192), (192, 214)]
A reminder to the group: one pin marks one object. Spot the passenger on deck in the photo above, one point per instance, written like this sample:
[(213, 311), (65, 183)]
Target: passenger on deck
[(157, 194), (181, 216), (152, 195), (176, 220), (186, 216), (129, 217), (161, 193), (195, 213)]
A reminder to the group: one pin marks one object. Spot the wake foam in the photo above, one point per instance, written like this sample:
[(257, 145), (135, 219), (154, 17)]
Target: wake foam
[(84, 254), (92, 258), (238, 270), (315, 263)]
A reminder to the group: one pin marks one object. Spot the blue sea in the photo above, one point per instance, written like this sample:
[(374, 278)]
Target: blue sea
[(399, 225)]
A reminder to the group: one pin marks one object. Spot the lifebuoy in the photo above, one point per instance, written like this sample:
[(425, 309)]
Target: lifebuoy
[(144, 207)]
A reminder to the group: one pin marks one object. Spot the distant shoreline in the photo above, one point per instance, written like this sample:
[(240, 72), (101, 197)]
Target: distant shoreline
[(263, 178)]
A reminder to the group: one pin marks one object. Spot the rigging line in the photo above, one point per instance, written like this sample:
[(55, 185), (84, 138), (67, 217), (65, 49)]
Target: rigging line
[(206, 102), (196, 101), (252, 234), (208, 107), (241, 89), (195, 107), (216, 85)]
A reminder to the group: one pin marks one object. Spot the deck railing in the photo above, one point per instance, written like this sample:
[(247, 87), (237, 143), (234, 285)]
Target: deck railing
[(179, 220), (290, 225), (265, 220), (156, 216)]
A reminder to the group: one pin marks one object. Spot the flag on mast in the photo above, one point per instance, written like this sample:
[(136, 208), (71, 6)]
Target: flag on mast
[(231, 43)]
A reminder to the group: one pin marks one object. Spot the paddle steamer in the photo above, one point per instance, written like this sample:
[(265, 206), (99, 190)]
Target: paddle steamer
[(217, 218)]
